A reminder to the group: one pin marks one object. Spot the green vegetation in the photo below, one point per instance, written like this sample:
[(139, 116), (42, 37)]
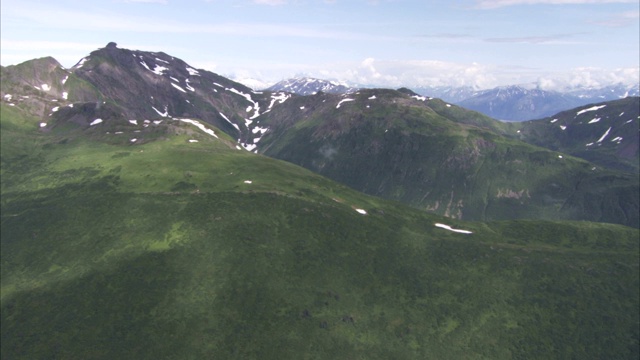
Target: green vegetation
[(161, 249), (446, 160)]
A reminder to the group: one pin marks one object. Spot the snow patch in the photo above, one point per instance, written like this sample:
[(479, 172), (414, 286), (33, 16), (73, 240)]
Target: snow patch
[(158, 70), (553, 121), (622, 113), (164, 61), (157, 122), (279, 97), (134, 122), (605, 135), (259, 129), (193, 141), (229, 121), (65, 95), (301, 107), (8, 97), (65, 79), (421, 98), (594, 121), (81, 63), (563, 127), (163, 114), (133, 140), (593, 108), (145, 65), (448, 105), (373, 97), (55, 109), (248, 182), (46, 87), (617, 139), (249, 147), (199, 126), (43, 124), (179, 88), (256, 106), (447, 227), (361, 211), (193, 72), (95, 122), (189, 86), (343, 101)]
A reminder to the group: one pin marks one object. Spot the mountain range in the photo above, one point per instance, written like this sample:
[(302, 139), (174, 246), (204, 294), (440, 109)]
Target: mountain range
[(311, 86), (147, 212), (509, 103)]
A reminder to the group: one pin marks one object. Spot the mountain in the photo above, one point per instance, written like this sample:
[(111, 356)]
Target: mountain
[(526, 102), (310, 86), (604, 133), (517, 103), (612, 92), (396, 144), (162, 240), (139, 86), (442, 158), (450, 94)]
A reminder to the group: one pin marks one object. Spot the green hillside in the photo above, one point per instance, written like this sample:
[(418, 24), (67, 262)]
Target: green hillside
[(167, 248), (604, 133), (443, 159)]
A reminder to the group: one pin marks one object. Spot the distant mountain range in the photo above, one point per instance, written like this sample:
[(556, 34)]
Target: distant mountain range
[(152, 210), (311, 86), (509, 103)]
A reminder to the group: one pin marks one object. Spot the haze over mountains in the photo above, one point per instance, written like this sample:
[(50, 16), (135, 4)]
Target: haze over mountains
[(147, 212)]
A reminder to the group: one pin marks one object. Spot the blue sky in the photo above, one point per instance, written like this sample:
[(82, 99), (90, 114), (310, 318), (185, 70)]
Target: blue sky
[(391, 43)]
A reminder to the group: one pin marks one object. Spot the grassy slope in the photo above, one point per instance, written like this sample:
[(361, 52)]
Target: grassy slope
[(399, 149), (161, 250), (619, 119)]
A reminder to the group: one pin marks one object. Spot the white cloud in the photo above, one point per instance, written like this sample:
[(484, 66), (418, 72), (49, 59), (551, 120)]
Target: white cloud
[(492, 4), (619, 20)]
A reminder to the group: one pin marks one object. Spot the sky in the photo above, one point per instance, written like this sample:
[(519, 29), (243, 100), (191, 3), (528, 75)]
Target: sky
[(389, 43)]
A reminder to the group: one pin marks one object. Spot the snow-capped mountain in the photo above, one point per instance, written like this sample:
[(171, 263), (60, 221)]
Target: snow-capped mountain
[(526, 101), (311, 86), (518, 103), (611, 92)]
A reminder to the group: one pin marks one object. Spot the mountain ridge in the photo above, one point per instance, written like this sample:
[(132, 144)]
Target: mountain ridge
[(463, 144)]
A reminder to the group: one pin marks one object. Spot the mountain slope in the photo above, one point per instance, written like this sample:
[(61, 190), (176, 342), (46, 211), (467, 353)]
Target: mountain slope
[(396, 144), (441, 158), (603, 133), (146, 85), (171, 248)]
